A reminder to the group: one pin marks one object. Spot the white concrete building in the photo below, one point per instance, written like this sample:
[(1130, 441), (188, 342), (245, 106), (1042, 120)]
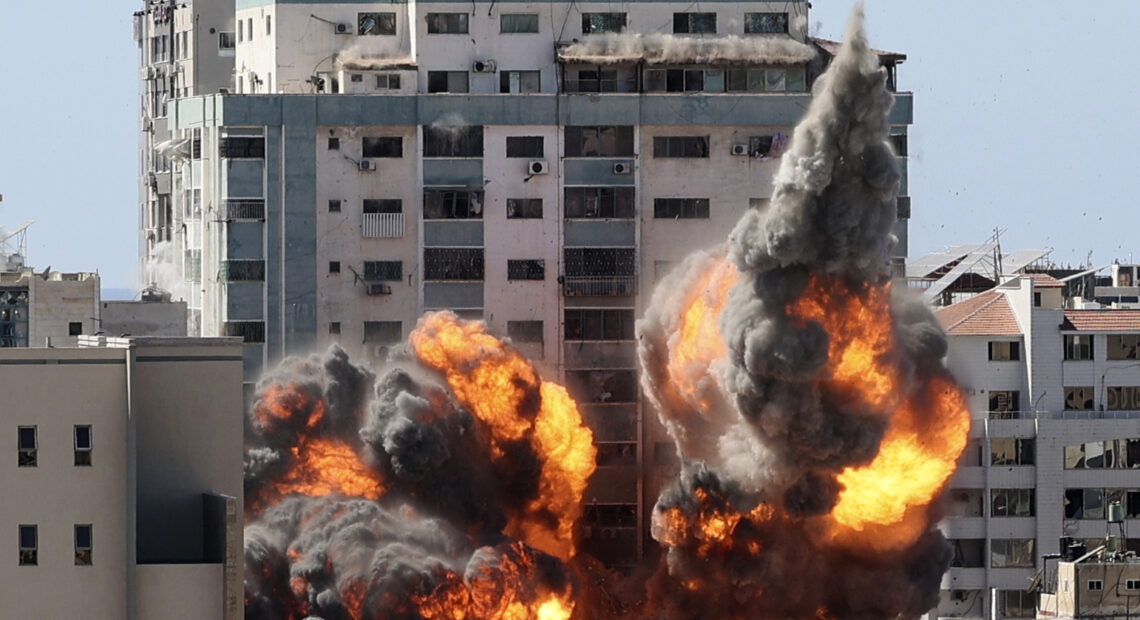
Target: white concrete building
[(44, 307), (122, 456), (535, 165), (1054, 384)]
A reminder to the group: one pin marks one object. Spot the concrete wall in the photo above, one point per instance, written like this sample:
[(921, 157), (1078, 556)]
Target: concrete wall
[(58, 301), (180, 591), (138, 318)]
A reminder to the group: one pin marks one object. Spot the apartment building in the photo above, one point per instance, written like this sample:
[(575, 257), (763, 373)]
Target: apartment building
[(1054, 384), (44, 307), (121, 456), (538, 166)]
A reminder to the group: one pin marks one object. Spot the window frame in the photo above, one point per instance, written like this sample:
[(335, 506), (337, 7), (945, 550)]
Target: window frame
[(607, 324), (681, 208), (1004, 351), (503, 19), (526, 270), (523, 209), (434, 272), (27, 456), (524, 147), (383, 19), (382, 147), (600, 22), (29, 555), (437, 23), (683, 22), (83, 454), (1075, 350), (755, 22), (593, 141), (382, 271), (84, 555)]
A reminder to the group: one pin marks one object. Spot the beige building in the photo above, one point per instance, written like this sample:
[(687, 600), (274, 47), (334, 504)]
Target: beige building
[(47, 308), (1098, 585), (122, 457)]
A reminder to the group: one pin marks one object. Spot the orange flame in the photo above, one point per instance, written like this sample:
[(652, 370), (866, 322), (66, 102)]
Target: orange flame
[(501, 388), (699, 342)]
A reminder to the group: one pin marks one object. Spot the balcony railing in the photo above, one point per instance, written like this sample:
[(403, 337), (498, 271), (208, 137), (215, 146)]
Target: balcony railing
[(599, 286), (243, 271), (1066, 414), (245, 209), (383, 225)]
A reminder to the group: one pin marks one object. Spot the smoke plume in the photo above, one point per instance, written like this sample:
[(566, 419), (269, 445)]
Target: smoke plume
[(667, 48), (807, 400)]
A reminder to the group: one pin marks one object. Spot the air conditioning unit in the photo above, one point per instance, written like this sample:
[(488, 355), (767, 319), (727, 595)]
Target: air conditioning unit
[(622, 168), (377, 288), (537, 166), (483, 66), (740, 149), (366, 165), (342, 28)]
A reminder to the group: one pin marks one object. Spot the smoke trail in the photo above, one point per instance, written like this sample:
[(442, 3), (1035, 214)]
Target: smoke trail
[(668, 48), (808, 402)]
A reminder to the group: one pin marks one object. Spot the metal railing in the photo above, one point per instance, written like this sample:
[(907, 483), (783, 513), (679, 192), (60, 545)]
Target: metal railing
[(599, 286), (243, 209), (383, 225), (1066, 414)]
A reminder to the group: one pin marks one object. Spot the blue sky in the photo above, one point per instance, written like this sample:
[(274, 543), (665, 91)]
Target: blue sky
[(1025, 120)]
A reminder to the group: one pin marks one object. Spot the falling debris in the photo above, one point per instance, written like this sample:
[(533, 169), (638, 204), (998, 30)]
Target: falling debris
[(807, 399)]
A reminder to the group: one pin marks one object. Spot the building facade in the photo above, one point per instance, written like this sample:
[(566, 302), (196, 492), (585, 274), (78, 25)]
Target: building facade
[(538, 166), (1053, 383), (45, 308), (122, 457)]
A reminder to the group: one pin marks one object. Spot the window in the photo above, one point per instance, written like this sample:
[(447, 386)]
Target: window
[(898, 143), (1036, 297), (681, 146), (28, 545), (249, 27), (453, 141), (1078, 347), (519, 81), (684, 80), (1004, 351), (453, 204), (1012, 503), (1079, 398), (1012, 553), (524, 208), (446, 23), (1123, 346), (1122, 398), (356, 77), (525, 331), (1017, 604), (599, 141), (236, 147), (594, 81), (1132, 584), (602, 386), (83, 445), (74, 328), (784, 79), (334, 144), (1012, 451), (334, 206), (243, 271), (268, 25), (334, 266), (599, 202), (531, 269), (376, 23), (591, 324), (1096, 584), (27, 446), (694, 23), (383, 270), (388, 81), (383, 332), (1084, 503), (334, 328), (681, 208), (83, 544), (1004, 404), (524, 146), (249, 331), (372, 146), (765, 23), (609, 262), (447, 82), (518, 23), (453, 264), (594, 23), (240, 32), (383, 205)]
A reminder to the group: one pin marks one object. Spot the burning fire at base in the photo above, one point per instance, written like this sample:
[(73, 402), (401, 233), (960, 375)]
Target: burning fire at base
[(816, 426)]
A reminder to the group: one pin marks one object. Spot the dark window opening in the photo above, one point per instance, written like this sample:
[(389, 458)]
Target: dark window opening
[(681, 146), (334, 144), (1001, 351), (83, 445), (524, 146), (600, 262), (383, 270), (29, 545), (599, 202), (594, 23), (446, 23), (27, 446), (74, 328), (599, 141), (598, 324), (383, 332), (534, 269), (453, 264), (83, 545), (681, 208), (453, 141), (334, 266), (694, 23), (525, 331), (376, 23), (383, 205), (383, 146), (334, 206), (524, 208), (235, 147), (441, 204), (248, 331), (765, 23)]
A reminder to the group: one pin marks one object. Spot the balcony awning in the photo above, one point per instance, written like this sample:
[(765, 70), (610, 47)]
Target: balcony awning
[(659, 49)]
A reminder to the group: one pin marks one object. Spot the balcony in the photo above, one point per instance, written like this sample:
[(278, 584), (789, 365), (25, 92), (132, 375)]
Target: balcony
[(245, 209), (599, 286), (383, 225), (243, 271)]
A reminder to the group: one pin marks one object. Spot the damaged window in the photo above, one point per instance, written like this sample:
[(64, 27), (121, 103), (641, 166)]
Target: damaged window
[(446, 23), (594, 23), (1078, 347), (83, 544), (598, 324), (1079, 398), (453, 264), (1122, 398), (610, 515), (453, 140), (1012, 503), (1088, 503), (1012, 451), (599, 202), (694, 23), (608, 262), (1123, 346), (376, 23), (532, 269), (681, 146), (765, 23), (453, 204), (1004, 404), (26, 446), (29, 545), (383, 332), (242, 147), (518, 23), (602, 386), (447, 82), (243, 270), (616, 454), (784, 79), (249, 331), (681, 208), (373, 146), (519, 81), (599, 141), (524, 208), (1012, 553), (1017, 604), (525, 331)]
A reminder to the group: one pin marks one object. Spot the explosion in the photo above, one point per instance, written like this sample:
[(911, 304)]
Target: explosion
[(816, 426)]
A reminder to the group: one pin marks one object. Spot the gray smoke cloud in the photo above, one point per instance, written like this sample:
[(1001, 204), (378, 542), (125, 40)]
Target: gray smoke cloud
[(667, 48), (761, 428)]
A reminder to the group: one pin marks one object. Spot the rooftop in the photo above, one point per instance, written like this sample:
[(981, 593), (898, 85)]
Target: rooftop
[(1102, 320), (987, 314)]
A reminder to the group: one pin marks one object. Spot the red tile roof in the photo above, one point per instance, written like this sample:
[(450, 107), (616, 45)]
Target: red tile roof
[(987, 314), (1105, 320), (1044, 280)]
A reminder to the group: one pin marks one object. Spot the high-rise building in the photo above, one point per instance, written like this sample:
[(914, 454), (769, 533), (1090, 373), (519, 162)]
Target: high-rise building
[(1054, 381), (117, 453), (536, 165)]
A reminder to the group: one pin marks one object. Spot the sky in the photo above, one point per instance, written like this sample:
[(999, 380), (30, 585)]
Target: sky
[(1024, 121)]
